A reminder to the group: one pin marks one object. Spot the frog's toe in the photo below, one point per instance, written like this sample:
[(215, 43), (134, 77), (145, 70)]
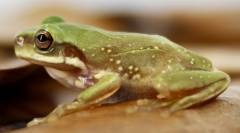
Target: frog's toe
[(36, 121)]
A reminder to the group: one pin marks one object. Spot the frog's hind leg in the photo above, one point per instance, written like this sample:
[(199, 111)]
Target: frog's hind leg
[(190, 87)]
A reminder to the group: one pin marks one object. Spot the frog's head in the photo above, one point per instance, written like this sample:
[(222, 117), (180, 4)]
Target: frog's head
[(52, 44), (48, 45)]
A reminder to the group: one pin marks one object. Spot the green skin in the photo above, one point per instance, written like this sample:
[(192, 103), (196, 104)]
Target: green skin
[(101, 63)]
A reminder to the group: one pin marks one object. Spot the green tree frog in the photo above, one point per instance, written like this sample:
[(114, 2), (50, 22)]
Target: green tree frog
[(103, 64)]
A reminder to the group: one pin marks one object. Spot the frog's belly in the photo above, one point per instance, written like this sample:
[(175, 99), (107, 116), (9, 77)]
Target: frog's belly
[(129, 93)]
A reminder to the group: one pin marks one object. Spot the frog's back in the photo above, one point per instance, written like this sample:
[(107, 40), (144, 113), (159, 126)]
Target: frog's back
[(124, 51), (151, 54)]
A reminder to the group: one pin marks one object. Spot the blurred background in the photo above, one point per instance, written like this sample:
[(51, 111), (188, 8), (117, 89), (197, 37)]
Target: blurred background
[(211, 28)]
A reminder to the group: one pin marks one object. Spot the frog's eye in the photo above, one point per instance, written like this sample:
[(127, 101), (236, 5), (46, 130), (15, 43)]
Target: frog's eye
[(43, 40)]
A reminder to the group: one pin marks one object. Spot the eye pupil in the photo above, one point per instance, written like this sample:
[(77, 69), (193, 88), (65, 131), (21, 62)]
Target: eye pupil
[(43, 40)]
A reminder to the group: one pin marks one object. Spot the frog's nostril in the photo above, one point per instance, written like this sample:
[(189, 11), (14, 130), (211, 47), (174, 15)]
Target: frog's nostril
[(20, 41)]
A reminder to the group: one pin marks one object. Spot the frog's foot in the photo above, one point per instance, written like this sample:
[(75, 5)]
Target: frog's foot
[(36, 121), (108, 83), (189, 88), (56, 113)]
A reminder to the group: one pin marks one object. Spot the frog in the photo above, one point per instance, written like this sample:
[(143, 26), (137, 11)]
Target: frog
[(103, 64)]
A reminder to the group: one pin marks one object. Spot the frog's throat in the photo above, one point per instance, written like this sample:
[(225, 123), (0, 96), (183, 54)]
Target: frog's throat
[(78, 78), (71, 79)]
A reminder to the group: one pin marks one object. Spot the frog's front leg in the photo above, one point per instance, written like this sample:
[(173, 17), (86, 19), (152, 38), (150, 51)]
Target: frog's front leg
[(107, 84), (189, 88)]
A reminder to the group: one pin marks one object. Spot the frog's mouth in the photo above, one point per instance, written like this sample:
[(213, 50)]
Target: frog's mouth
[(61, 63)]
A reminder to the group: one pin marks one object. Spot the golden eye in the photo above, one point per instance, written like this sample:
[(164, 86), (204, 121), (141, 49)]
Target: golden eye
[(43, 40)]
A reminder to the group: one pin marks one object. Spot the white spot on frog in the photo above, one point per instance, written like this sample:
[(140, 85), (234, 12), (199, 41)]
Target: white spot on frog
[(192, 61), (153, 56), (118, 62), (136, 76), (120, 68), (130, 67), (133, 52), (163, 71), (156, 47), (109, 50), (111, 59), (158, 85), (136, 69), (148, 48), (170, 61), (103, 49), (169, 67)]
